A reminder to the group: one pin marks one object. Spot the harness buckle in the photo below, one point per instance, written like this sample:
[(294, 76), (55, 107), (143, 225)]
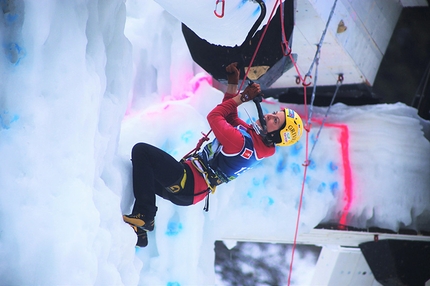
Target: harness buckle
[(210, 177)]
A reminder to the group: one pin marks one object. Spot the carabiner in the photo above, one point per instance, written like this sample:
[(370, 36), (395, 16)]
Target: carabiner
[(304, 80), (222, 8)]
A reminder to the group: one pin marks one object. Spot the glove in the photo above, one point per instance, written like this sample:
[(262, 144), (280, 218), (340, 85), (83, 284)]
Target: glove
[(232, 73), (250, 92)]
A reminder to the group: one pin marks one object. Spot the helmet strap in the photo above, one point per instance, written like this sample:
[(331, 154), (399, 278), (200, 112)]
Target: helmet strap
[(267, 141)]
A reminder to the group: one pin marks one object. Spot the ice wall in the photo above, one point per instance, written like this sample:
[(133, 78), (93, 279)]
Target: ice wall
[(66, 69), (389, 158), (350, 176), (82, 81)]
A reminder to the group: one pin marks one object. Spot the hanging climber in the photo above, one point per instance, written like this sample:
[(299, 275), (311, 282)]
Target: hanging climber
[(237, 147)]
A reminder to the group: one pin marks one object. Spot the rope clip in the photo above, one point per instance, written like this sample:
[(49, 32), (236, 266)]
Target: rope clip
[(340, 78), (219, 15)]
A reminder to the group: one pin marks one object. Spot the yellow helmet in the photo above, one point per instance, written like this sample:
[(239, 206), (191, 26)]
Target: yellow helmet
[(290, 132)]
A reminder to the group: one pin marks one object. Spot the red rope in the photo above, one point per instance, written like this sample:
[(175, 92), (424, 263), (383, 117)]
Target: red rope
[(306, 164), (285, 45), (199, 144), (307, 128), (257, 48)]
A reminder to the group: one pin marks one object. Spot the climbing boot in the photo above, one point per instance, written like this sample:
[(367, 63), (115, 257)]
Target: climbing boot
[(142, 236), (139, 221)]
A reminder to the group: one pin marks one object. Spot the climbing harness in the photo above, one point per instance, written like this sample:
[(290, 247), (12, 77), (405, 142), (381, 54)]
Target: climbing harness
[(211, 179)]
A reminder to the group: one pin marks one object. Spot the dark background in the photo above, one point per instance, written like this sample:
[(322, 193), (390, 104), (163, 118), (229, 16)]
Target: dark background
[(406, 58), (270, 262)]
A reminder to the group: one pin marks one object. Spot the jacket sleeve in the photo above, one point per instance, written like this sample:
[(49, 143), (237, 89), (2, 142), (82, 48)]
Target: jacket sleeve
[(223, 119), (227, 96), (232, 117)]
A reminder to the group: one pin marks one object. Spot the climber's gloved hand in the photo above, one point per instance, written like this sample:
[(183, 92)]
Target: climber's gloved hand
[(232, 73), (250, 92)]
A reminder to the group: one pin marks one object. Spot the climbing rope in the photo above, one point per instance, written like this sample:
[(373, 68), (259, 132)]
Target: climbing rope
[(338, 84), (199, 145), (307, 127), (257, 48), (287, 52), (317, 58)]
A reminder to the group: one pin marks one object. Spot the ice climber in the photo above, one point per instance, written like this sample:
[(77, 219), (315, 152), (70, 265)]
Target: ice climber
[(237, 147)]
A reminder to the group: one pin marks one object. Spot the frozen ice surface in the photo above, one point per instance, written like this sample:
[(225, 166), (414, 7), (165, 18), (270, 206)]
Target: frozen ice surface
[(83, 81)]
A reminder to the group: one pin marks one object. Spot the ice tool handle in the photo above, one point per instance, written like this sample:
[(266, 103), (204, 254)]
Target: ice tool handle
[(257, 100)]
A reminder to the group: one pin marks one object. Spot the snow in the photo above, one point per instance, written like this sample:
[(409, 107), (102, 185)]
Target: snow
[(83, 81)]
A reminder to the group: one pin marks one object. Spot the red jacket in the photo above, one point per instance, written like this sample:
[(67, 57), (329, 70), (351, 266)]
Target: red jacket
[(223, 119)]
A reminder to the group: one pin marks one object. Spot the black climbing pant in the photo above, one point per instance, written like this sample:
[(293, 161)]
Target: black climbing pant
[(155, 172)]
